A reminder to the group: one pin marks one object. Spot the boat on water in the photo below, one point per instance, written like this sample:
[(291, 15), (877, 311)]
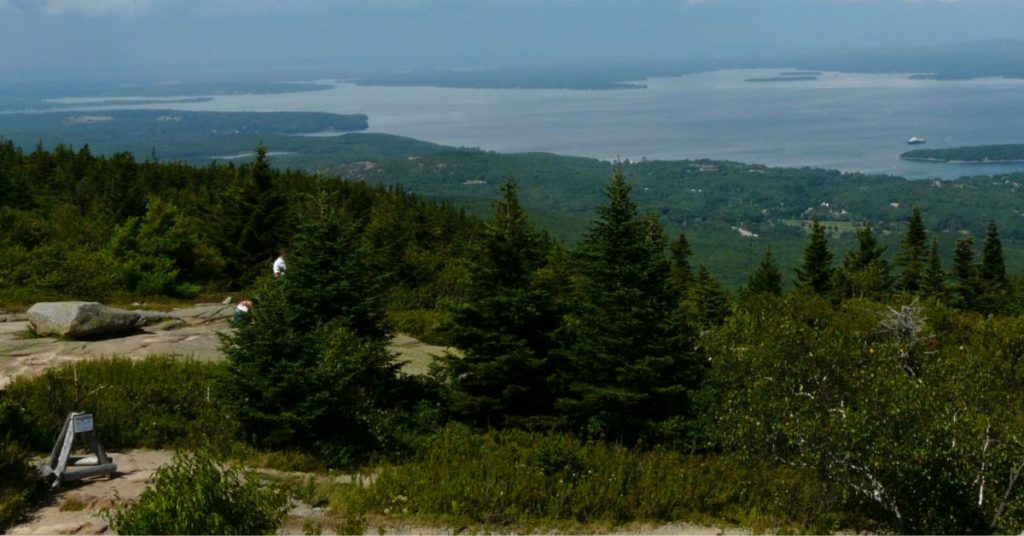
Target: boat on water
[(914, 140)]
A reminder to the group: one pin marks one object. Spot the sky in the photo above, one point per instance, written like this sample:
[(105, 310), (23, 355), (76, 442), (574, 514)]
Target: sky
[(49, 39)]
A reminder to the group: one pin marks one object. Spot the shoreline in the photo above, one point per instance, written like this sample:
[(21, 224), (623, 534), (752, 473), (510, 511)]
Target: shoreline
[(945, 161)]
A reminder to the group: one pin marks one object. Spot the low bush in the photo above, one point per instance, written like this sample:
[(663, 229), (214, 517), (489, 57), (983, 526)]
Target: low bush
[(526, 481), (159, 402), (20, 484), (198, 495)]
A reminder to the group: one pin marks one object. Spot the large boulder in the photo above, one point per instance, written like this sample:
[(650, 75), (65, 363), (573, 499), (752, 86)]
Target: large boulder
[(78, 320)]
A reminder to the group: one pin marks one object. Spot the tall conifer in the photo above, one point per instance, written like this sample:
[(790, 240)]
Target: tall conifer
[(711, 299), (993, 284), (966, 273), (933, 283), (309, 367), (816, 271), (864, 272), (505, 326), (682, 271), (913, 253), (630, 369), (766, 279)]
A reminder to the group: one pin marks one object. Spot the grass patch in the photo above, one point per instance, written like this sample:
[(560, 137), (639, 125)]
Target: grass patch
[(72, 504), (160, 402)]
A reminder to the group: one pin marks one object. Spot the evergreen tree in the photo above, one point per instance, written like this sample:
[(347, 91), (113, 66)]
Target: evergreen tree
[(505, 327), (994, 286), (967, 283), (254, 220), (682, 272), (711, 299), (767, 278), (310, 367), (864, 272), (816, 272), (913, 253), (630, 368), (933, 282)]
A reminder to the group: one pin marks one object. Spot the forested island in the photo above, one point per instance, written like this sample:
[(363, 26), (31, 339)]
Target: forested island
[(606, 383), (977, 153)]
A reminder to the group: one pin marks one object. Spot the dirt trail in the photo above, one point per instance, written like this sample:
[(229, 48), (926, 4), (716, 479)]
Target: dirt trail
[(75, 507)]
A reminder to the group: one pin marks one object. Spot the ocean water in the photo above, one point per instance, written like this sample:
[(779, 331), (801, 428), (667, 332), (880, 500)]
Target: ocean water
[(850, 122)]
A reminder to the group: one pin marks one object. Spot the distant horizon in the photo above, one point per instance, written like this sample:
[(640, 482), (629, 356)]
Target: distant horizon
[(90, 41)]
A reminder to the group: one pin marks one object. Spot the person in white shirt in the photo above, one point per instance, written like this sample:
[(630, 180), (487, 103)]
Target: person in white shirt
[(279, 264)]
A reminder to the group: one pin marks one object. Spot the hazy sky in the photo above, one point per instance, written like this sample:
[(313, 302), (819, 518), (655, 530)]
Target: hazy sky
[(49, 38)]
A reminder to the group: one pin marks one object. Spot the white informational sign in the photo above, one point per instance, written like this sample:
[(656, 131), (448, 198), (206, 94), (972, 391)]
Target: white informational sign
[(83, 423)]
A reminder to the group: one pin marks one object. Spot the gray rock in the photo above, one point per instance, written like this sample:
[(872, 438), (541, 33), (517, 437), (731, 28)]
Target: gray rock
[(166, 325), (3, 318), (77, 320), (226, 301)]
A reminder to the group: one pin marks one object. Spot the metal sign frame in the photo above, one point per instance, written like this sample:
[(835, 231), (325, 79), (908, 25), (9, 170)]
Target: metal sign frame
[(61, 460)]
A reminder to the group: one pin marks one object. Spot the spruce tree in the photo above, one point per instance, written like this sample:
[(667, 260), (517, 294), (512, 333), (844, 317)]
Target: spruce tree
[(994, 286), (967, 286), (309, 368), (933, 282), (254, 220), (816, 272), (711, 299), (864, 272), (913, 254), (682, 272), (505, 326), (766, 279), (629, 367)]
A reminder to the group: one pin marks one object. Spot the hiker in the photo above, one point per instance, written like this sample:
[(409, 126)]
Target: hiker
[(242, 311), (279, 264)]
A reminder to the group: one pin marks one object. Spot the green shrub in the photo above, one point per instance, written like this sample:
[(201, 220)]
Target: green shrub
[(528, 481), (155, 403), (198, 495), (20, 484)]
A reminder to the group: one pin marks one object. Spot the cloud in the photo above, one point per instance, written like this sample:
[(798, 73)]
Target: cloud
[(95, 7)]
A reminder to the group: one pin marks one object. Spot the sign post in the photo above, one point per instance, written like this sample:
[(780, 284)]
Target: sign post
[(61, 462)]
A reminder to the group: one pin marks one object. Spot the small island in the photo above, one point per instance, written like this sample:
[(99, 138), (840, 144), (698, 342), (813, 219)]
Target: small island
[(980, 154), (784, 79)]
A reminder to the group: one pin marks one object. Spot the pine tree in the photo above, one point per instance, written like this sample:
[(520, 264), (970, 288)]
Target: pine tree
[(913, 253), (816, 272), (711, 299), (864, 272), (310, 366), (933, 282), (328, 279), (994, 286), (766, 279), (630, 368), (967, 284), (505, 327), (255, 220), (682, 272)]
